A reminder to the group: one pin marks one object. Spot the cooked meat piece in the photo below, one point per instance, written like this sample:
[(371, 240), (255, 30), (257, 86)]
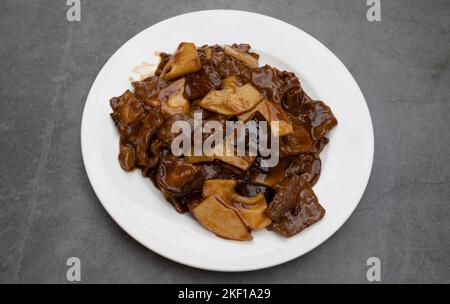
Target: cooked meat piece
[(157, 148), (294, 101), (272, 83), (152, 122), (294, 207), (152, 164), (244, 48), (321, 118), (164, 60), (228, 66), (321, 143), (179, 178), (147, 89), (299, 141), (127, 109), (114, 102), (198, 84), (214, 53), (127, 157), (301, 217), (287, 196), (128, 113), (165, 135), (243, 56), (314, 112), (306, 165)]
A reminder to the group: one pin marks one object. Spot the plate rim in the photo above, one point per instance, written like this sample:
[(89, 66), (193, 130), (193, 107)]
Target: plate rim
[(126, 227)]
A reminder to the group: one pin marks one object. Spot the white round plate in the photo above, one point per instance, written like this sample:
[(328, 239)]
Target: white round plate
[(139, 208)]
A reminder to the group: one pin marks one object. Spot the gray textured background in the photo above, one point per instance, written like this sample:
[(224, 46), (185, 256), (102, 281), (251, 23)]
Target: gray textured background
[(49, 211)]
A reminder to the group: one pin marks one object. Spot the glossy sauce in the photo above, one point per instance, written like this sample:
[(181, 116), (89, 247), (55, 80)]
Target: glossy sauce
[(145, 137)]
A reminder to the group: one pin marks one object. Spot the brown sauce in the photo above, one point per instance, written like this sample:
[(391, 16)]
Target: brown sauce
[(145, 138)]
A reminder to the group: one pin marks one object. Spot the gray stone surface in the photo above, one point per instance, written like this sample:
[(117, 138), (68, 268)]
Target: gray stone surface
[(49, 211)]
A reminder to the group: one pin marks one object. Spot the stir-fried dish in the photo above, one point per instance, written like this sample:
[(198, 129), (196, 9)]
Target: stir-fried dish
[(228, 195)]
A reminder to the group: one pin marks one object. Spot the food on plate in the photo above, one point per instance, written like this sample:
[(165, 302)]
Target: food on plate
[(230, 195), (231, 100), (252, 210), (223, 221), (185, 60), (294, 207)]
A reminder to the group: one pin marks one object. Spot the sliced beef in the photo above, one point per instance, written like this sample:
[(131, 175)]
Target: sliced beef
[(294, 207), (320, 117), (306, 165), (314, 113), (128, 113), (300, 140), (228, 66), (199, 83), (244, 48), (152, 122), (286, 197), (321, 143), (147, 89), (165, 134), (293, 102), (296, 220), (272, 83)]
